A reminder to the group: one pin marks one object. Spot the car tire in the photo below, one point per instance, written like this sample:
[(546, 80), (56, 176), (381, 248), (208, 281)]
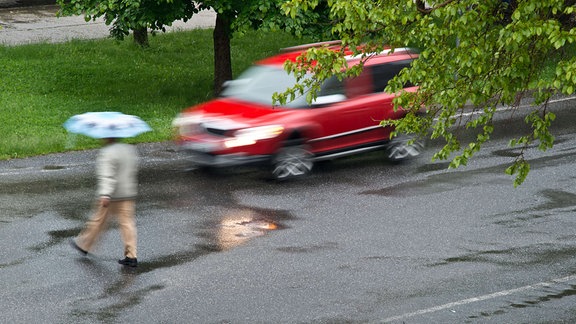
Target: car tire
[(291, 162), (403, 148)]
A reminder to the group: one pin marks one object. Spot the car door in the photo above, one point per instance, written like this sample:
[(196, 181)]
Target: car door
[(355, 121)]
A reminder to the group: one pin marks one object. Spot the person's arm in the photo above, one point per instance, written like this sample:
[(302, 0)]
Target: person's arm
[(106, 173)]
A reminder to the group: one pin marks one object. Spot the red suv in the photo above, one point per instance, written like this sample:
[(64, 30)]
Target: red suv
[(243, 127)]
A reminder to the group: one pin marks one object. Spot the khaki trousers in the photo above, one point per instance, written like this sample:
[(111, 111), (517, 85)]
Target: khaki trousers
[(124, 212)]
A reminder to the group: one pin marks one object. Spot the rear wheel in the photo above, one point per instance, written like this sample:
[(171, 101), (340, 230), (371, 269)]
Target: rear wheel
[(403, 148), (291, 162)]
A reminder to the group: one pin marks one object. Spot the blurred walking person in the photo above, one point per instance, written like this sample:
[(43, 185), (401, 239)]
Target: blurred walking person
[(116, 170)]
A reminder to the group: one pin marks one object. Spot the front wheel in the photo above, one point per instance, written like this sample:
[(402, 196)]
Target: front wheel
[(291, 162)]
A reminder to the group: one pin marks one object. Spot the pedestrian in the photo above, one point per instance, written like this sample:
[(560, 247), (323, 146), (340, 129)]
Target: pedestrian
[(116, 170)]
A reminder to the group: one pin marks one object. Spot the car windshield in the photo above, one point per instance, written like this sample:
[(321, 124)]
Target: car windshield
[(258, 83)]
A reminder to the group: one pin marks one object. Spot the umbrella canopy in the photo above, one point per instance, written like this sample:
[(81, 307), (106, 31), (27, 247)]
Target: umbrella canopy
[(106, 124)]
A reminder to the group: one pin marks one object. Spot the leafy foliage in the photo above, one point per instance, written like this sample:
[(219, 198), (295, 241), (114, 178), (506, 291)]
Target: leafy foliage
[(127, 15), (269, 16), (473, 55)]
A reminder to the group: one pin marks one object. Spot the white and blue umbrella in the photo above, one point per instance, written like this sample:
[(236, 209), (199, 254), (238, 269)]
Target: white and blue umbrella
[(106, 124)]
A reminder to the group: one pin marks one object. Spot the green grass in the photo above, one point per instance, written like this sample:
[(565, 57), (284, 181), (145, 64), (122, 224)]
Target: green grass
[(42, 85)]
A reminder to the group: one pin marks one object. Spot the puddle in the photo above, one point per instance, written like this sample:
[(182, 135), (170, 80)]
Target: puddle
[(232, 228), (239, 225), (514, 152), (433, 167), (309, 249), (557, 202), (53, 167), (520, 256), (557, 199), (535, 300), (510, 152)]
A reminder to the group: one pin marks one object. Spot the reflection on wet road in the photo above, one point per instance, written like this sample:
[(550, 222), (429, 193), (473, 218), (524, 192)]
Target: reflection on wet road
[(240, 225)]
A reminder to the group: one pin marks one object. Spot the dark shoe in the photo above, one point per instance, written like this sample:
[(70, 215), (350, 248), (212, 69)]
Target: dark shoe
[(75, 246), (129, 262)]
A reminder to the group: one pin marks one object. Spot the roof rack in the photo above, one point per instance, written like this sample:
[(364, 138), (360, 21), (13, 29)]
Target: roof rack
[(311, 45)]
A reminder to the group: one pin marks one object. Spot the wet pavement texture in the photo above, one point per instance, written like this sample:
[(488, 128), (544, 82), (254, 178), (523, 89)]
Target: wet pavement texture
[(359, 241), (38, 23)]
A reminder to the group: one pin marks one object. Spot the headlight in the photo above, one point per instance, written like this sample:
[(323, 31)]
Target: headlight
[(249, 136)]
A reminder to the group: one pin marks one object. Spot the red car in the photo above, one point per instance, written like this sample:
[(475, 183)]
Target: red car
[(242, 127)]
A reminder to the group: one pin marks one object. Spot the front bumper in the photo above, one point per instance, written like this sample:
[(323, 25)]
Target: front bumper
[(201, 158)]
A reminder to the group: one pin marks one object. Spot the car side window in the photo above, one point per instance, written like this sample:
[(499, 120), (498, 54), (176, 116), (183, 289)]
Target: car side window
[(331, 86), (383, 73)]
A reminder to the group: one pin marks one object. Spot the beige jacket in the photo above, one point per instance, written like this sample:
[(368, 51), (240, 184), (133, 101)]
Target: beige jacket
[(117, 171)]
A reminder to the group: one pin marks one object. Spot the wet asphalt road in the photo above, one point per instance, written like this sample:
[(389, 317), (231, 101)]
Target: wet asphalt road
[(359, 241)]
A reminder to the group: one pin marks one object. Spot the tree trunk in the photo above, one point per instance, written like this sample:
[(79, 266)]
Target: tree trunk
[(222, 59), (141, 37)]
